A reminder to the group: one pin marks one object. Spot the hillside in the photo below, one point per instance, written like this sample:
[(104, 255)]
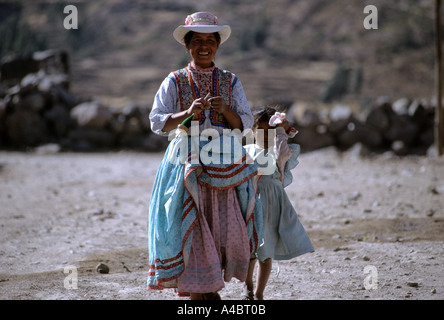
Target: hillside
[(287, 50)]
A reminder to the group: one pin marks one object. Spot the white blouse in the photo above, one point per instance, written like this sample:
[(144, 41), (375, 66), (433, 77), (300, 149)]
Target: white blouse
[(166, 102)]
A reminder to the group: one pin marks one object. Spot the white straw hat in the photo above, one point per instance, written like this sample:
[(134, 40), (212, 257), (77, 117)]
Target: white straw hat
[(202, 22)]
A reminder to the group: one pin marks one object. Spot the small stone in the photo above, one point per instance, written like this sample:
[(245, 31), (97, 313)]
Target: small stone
[(430, 213), (97, 212), (433, 291), (412, 284), (354, 196), (365, 258), (433, 190), (102, 268), (375, 204)]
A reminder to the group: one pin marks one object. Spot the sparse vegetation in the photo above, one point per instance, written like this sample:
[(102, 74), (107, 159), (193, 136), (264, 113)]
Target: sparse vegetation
[(16, 36), (271, 48)]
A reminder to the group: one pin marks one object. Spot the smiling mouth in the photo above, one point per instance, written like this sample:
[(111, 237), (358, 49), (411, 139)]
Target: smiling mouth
[(203, 53)]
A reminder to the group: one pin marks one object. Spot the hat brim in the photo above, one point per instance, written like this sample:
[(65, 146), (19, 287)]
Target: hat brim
[(181, 31)]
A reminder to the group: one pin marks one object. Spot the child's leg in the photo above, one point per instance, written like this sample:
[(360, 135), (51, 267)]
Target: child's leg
[(249, 286), (195, 296), (263, 274), (205, 296)]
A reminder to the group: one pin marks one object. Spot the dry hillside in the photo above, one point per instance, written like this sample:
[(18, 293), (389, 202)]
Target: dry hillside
[(283, 49)]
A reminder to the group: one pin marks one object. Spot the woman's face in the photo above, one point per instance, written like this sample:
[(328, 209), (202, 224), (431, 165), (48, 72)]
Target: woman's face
[(203, 48)]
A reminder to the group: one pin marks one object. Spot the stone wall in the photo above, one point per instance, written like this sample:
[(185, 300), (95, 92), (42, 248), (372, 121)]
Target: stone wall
[(403, 127), (37, 109)]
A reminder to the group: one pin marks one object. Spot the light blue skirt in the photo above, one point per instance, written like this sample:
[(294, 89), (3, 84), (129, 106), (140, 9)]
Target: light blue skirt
[(175, 198), (284, 235)]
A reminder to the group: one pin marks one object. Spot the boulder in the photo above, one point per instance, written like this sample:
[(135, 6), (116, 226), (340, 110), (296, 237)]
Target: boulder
[(132, 126), (145, 119), (117, 123), (26, 129), (154, 143), (379, 117), (401, 128), (52, 61), (33, 101), (357, 132), (12, 70), (91, 115), (312, 138), (59, 120), (87, 139), (401, 106), (2, 110)]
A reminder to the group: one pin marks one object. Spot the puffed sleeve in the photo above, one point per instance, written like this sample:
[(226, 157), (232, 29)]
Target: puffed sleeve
[(240, 104), (165, 104), (286, 156), (291, 163)]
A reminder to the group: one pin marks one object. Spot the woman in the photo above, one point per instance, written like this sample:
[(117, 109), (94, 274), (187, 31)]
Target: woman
[(204, 219)]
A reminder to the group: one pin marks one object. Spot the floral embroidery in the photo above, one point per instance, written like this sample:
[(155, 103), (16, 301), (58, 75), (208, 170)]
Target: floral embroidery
[(193, 83)]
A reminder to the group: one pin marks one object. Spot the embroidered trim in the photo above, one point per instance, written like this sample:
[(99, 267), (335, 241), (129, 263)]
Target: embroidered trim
[(188, 92)]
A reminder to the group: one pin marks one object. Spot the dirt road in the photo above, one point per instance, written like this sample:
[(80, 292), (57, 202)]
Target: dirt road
[(377, 225)]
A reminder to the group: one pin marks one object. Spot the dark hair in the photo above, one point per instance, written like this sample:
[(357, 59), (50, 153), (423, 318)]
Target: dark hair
[(189, 35), (264, 114)]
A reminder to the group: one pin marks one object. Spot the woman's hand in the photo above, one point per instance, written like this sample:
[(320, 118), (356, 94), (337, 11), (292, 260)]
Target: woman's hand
[(218, 104), (233, 119), (196, 108), (198, 105)]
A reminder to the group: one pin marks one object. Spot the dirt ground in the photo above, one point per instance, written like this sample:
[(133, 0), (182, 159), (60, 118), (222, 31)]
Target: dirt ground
[(377, 225)]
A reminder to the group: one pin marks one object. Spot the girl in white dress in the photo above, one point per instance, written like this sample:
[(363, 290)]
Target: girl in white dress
[(284, 235)]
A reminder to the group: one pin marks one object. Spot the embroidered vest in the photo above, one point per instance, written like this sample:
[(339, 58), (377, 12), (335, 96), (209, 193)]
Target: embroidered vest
[(188, 92)]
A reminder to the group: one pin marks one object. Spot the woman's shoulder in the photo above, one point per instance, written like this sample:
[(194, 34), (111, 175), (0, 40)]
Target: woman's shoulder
[(224, 70), (168, 82), (175, 75), (227, 72)]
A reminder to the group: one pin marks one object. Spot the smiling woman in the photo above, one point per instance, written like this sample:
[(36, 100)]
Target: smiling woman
[(204, 221), (226, 104), (202, 47)]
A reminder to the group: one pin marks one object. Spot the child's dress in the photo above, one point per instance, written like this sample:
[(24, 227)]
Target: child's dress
[(284, 235)]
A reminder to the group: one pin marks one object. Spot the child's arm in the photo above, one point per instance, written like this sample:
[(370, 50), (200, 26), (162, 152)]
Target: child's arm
[(283, 151)]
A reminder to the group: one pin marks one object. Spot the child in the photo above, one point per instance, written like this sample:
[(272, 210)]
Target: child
[(284, 235)]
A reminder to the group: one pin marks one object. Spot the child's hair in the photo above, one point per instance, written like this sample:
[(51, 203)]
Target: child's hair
[(263, 115)]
